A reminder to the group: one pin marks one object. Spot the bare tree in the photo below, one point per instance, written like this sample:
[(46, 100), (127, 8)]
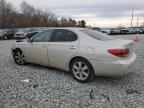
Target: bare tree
[(37, 17), (28, 12), (6, 14), (67, 22), (32, 17), (2, 14)]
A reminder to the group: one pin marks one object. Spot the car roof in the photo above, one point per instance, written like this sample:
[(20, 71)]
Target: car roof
[(67, 28)]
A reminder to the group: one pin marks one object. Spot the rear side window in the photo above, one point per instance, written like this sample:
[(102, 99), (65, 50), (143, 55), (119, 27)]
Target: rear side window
[(63, 36), (97, 35)]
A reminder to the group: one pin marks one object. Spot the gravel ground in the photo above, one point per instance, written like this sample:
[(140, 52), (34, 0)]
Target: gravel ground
[(53, 88)]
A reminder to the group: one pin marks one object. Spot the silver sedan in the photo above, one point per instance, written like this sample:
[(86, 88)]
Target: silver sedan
[(84, 52)]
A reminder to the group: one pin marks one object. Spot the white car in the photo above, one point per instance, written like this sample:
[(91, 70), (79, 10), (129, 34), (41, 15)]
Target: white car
[(84, 52), (21, 33)]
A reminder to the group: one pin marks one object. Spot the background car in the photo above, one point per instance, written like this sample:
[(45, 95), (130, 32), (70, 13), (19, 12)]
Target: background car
[(124, 31), (131, 31), (7, 33), (96, 28), (106, 30), (114, 31), (84, 52), (142, 29), (20, 35), (136, 30), (111, 31), (1, 34), (26, 32)]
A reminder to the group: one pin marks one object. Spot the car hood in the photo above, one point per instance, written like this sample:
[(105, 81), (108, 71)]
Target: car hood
[(20, 33)]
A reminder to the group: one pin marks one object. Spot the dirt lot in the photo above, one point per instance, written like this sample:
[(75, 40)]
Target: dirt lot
[(53, 88)]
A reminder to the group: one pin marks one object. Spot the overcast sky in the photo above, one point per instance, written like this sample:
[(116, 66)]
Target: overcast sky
[(102, 13)]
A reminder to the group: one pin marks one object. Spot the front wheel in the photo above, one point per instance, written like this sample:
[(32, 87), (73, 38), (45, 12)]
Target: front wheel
[(81, 70), (19, 57)]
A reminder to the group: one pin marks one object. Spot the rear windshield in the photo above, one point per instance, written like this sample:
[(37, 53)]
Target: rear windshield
[(97, 35)]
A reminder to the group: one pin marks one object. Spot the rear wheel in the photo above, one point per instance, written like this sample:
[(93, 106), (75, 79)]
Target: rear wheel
[(19, 57), (81, 70), (5, 37)]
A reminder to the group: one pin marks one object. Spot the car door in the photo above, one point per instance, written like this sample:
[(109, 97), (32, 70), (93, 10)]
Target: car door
[(63, 44), (36, 51)]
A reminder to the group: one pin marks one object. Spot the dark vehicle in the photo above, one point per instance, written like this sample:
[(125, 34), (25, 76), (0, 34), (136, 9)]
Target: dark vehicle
[(115, 31), (111, 31), (31, 34), (96, 28), (124, 31), (106, 30), (137, 30), (142, 29), (131, 31), (7, 34)]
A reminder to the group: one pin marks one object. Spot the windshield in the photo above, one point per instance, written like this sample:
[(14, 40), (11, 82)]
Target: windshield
[(97, 35)]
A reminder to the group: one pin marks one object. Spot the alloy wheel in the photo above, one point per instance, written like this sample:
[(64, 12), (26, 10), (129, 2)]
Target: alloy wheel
[(80, 70), (19, 58)]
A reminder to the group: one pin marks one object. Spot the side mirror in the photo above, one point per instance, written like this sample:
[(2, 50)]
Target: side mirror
[(29, 40)]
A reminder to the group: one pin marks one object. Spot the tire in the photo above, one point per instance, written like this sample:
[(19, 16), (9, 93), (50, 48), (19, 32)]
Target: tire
[(19, 57), (5, 37), (81, 70)]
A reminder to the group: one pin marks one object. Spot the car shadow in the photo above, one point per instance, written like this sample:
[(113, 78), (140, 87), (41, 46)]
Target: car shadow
[(47, 67), (103, 80), (106, 78)]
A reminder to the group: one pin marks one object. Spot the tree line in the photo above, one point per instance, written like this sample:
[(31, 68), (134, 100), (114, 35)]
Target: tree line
[(32, 17)]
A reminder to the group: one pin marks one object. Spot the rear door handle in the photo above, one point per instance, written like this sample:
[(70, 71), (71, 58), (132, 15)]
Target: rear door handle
[(72, 47)]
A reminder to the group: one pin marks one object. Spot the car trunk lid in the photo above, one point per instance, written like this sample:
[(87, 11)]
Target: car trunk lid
[(122, 45)]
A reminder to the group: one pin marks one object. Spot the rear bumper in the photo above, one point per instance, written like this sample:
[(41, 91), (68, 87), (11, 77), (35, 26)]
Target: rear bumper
[(114, 68)]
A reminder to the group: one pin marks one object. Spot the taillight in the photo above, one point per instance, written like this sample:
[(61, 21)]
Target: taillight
[(119, 52)]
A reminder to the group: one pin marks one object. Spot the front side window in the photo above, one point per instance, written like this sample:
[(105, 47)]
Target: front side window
[(43, 36), (63, 36)]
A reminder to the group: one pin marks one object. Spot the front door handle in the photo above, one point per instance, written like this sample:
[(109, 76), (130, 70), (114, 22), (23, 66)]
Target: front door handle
[(72, 47)]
